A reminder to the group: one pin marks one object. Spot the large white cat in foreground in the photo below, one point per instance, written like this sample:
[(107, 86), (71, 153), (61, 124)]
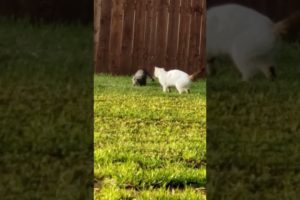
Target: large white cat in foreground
[(175, 77), (247, 36)]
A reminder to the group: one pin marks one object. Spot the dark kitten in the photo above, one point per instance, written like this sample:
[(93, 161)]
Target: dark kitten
[(140, 77)]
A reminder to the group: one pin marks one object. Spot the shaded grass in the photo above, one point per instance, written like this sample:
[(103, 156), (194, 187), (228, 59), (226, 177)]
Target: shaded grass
[(148, 144), (253, 132), (45, 111)]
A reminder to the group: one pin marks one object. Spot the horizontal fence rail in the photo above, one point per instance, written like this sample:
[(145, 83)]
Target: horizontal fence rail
[(133, 34)]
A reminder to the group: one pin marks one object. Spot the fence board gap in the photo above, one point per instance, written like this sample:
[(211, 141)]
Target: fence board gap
[(102, 61), (172, 46), (128, 31), (162, 32), (116, 36)]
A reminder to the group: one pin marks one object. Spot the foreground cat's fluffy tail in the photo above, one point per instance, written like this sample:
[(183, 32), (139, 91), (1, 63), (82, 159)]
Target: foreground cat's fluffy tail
[(284, 26), (195, 75)]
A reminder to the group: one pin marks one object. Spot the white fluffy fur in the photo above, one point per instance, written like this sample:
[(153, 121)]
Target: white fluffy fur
[(177, 78), (245, 35)]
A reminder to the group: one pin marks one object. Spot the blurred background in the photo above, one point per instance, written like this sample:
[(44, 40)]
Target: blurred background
[(49, 11), (275, 9), (46, 100)]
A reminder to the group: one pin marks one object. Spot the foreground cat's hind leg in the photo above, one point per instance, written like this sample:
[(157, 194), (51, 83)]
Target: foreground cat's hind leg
[(246, 77), (166, 89), (187, 90), (245, 66), (210, 67), (272, 72), (179, 88), (182, 89), (245, 70), (269, 72)]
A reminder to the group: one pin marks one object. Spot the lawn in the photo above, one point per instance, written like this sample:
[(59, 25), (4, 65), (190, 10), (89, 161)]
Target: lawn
[(253, 132), (45, 110), (148, 144)]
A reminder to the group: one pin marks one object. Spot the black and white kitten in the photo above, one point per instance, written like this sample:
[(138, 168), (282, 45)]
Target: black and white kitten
[(140, 77)]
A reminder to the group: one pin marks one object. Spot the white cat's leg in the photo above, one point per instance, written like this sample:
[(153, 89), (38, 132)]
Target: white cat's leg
[(165, 89), (246, 68), (179, 88), (272, 71), (243, 61), (245, 74), (268, 71), (209, 69)]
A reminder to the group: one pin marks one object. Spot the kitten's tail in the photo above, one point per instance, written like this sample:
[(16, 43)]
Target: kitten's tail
[(197, 74), (286, 25)]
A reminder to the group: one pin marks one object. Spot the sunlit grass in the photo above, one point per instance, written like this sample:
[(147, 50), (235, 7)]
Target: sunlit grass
[(148, 144)]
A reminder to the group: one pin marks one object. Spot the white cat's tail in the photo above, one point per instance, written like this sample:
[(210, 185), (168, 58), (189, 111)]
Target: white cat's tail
[(195, 75), (284, 26)]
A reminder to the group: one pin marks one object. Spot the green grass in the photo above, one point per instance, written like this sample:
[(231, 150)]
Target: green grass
[(253, 132), (148, 144), (45, 105)]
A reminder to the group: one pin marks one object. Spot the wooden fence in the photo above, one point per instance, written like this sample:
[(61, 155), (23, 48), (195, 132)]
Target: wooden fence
[(132, 34)]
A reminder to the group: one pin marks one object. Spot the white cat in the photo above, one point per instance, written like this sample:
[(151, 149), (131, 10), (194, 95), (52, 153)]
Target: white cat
[(175, 77), (247, 36)]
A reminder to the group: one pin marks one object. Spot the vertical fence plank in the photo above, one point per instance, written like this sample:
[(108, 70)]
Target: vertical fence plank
[(194, 52), (202, 45), (153, 33), (279, 8), (184, 34), (137, 30), (102, 64), (162, 31), (116, 37), (128, 31), (172, 46), (148, 62), (141, 35), (97, 18), (187, 39)]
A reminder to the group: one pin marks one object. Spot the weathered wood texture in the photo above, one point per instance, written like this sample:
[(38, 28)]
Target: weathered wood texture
[(133, 34)]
